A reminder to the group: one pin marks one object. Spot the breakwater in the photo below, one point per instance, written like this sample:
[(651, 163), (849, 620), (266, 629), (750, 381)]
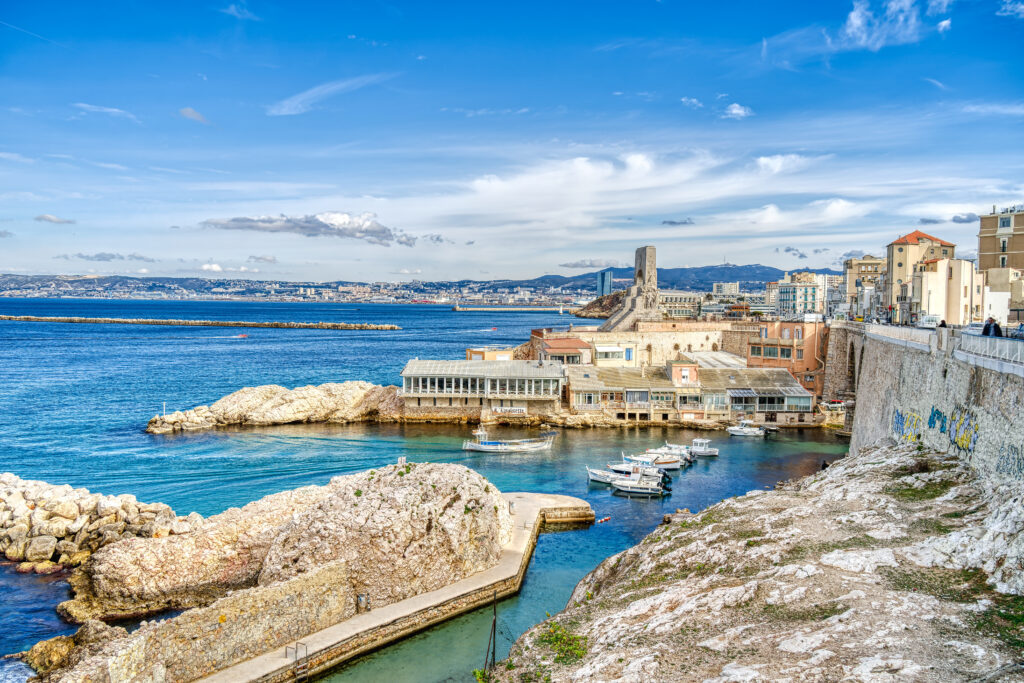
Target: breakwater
[(288, 325)]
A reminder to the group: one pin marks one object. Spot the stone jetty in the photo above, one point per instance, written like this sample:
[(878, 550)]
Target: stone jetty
[(198, 323), (276, 570), (47, 528)]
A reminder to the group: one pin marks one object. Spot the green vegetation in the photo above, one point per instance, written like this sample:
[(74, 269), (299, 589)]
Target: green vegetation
[(482, 675), (932, 527), (930, 490), (810, 613), (808, 549), (567, 647), (359, 492)]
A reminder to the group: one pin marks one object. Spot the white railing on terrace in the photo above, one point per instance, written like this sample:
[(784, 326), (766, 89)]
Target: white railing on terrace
[(1001, 348), (906, 334)]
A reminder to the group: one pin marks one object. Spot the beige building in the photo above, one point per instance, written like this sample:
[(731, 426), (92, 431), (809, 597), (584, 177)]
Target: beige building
[(1001, 239), (951, 289), (901, 257), (861, 273), (490, 353), (1011, 282)]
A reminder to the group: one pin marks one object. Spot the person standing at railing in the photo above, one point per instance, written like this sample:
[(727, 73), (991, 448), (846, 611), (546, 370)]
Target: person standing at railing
[(992, 328)]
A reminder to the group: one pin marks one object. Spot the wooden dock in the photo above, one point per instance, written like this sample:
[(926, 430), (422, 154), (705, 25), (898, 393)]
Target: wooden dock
[(367, 631), (197, 323)]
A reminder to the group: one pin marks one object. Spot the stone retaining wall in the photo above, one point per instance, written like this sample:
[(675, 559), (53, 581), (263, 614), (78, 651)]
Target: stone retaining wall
[(47, 527)]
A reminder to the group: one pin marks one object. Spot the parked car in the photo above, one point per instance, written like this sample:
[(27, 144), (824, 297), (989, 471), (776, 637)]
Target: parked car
[(929, 321), (974, 328)]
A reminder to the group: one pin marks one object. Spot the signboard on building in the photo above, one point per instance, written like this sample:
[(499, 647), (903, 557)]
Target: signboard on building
[(508, 410)]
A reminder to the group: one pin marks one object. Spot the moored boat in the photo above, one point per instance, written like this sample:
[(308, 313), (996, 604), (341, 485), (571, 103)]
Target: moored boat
[(702, 447), (666, 461), (745, 428), (640, 486), (482, 443)]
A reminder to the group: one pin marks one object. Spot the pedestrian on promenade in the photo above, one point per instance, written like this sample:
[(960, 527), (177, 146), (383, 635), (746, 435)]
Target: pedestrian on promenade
[(992, 328)]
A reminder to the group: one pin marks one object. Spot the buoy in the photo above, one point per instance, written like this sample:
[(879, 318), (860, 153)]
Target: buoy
[(494, 328), (603, 520)]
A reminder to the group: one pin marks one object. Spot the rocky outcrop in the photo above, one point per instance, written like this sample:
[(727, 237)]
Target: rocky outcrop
[(887, 566), (602, 306), (385, 535), (272, 404), (47, 527)]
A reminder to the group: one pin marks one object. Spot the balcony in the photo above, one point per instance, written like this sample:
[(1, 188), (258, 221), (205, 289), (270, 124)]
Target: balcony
[(412, 393)]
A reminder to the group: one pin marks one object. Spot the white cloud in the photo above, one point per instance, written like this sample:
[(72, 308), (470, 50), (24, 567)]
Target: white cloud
[(938, 84), (50, 218), (112, 111), (143, 271), (1011, 8), (262, 259), (939, 6), (238, 10), (691, 102), (14, 156), (899, 24), (212, 267), (737, 111), (333, 224), (407, 271), (944, 25), (1009, 109), (779, 163), (192, 114), (304, 101), (593, 263)]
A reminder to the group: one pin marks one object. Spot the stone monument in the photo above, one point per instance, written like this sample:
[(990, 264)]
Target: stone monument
[(641, 300)]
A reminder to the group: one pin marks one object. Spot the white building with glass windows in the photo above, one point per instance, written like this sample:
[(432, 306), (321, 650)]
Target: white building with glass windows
[(480, 388)]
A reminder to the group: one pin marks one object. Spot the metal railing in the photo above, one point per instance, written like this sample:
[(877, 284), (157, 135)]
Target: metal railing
[(1000, 348)]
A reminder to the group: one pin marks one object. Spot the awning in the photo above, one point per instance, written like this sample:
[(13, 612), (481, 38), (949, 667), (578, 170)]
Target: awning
[(741, 393), (608, 349), (688, 391), (794, 391), (769, 392)]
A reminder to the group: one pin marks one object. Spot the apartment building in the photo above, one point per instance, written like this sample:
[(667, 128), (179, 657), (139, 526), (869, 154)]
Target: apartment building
[(951, 289), (795, 346), (901, 256), (1001, 239), (862, 272), (800, 293), (680, 304), (725, 289)]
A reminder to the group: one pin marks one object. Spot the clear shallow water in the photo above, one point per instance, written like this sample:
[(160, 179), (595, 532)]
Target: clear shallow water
[(74, 400)]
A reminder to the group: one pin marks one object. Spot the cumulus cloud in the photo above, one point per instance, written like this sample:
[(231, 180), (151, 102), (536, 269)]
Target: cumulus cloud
[(106, 256), (737, 111), (435, 238), (944, 25), (682, 221), (898, 24), (212, 267), (193, 115), (238, 10), (6, 233), (792, 250), (261, 259), (305, 100), (592, 263), (965, 218), (691, 102), (333, 224), (50, 218), (1011, 8), (852, 253), (111, 111)]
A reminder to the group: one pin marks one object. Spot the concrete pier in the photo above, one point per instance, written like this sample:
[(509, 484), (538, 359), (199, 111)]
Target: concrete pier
[(197, 323), (368, 631)]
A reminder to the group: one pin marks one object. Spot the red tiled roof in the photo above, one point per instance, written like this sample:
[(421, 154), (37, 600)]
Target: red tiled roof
[(565, 344), (916, 236)]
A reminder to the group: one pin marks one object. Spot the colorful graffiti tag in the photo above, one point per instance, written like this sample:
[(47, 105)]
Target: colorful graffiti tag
[(906, 426), (937, 419), (963, 430), (1011, 461)]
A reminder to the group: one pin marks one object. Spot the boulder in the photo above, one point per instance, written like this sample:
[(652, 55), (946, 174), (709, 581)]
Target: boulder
[(40, 548), (64, 508)]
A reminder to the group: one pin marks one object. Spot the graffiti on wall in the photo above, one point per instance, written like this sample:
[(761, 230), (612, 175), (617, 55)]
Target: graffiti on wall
[(963, 430), (906, 426), (1011, 461), (937, 419)]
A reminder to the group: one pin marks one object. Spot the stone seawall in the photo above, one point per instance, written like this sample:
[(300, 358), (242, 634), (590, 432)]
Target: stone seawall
[(47, 528)]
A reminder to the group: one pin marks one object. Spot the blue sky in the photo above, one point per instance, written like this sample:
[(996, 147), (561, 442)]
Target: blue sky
[(389, 141)]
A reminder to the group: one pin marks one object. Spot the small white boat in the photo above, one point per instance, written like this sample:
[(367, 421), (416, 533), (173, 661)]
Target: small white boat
[(508, 446), (745, 428), (666, 461), (675, 449), (702, 447), (609, 476), (640, 486), (626, 468), (601, 476)]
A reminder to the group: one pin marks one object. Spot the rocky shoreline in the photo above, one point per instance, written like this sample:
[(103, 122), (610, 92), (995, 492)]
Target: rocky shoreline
[(47, 528), (254, 578), (893, 564)]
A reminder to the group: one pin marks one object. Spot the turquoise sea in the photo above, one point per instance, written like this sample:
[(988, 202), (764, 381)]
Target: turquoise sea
[(74, 401)]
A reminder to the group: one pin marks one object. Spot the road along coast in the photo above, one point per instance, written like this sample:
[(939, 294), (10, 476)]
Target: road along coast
[(197, 323)]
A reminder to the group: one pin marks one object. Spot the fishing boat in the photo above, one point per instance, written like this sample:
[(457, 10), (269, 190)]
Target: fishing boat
[(640, 486), (609, 476), (673, 449), (666, 461), (745, 428), (482, 443), (702, 447), (626, 468), (601, 476)]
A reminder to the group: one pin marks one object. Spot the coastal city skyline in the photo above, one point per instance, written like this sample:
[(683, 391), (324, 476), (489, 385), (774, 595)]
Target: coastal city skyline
[(251, 140)]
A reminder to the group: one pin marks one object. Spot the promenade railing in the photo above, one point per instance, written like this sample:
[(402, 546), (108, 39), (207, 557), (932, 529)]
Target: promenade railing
[(1000, 348)]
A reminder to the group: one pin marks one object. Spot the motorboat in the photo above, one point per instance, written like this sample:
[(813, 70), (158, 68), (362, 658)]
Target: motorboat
[(482, 443), (745, 428), (702, 447), (640, 486), (666, 461), (601, 476), (627, 468), (609, 476), (674, 449)]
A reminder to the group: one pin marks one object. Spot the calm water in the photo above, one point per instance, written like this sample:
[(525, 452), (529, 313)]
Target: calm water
[(74, 400)]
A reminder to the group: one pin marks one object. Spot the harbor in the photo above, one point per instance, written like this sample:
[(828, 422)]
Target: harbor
[(288, 325)]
